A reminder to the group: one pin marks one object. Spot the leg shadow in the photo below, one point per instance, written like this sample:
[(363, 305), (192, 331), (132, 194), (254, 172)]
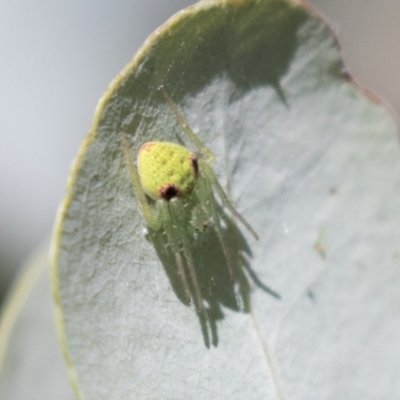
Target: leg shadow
[(217, 288)]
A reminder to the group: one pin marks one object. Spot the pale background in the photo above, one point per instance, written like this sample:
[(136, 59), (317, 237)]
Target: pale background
[(56, 60)]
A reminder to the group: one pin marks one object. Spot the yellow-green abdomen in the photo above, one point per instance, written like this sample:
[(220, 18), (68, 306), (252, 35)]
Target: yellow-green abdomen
[(166, 170)]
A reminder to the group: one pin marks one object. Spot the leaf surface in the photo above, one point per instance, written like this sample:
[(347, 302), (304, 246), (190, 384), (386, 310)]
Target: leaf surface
[(31, 364)]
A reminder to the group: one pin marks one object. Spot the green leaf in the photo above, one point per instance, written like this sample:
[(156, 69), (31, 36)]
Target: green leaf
[(310, 160), (31, 365)]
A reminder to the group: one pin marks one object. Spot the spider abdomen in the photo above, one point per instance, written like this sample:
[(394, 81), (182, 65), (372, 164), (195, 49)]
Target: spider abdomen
[(167, 170)]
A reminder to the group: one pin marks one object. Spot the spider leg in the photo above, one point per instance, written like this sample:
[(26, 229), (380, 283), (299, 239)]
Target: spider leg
[(204, 150), (166, 215), (206, 197), (176, 211), (182, 274), (151, 218), (210, 175)]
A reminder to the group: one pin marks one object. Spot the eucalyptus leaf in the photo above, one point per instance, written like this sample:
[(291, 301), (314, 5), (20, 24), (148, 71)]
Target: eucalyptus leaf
[(310, 160), (31, 364)]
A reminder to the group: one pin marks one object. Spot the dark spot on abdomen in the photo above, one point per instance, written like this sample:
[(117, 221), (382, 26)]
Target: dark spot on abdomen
[(169, 192)]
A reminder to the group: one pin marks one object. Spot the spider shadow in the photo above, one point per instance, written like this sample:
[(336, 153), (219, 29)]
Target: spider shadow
[(217, 288)]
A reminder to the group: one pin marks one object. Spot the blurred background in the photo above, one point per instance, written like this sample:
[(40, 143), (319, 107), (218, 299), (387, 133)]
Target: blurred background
[(56, 60)]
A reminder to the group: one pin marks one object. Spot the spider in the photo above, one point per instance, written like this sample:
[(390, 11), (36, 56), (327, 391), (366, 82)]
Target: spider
[(177, 191)]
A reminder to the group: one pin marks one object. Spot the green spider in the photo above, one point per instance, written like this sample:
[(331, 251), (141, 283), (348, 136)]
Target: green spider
[(176, 189)]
